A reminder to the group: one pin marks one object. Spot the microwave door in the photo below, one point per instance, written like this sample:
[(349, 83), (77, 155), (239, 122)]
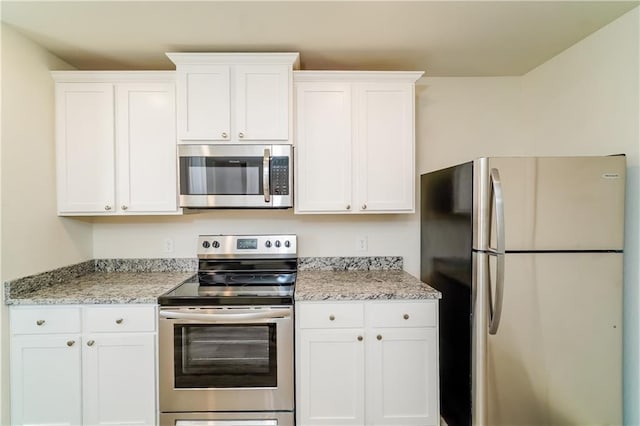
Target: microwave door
[(256, 176)]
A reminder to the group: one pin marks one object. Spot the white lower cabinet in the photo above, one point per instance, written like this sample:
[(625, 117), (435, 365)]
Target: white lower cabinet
[(92, 365), (367, 363)]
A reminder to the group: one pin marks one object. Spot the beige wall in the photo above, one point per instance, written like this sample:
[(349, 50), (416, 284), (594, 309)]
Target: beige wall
[(30, 228)]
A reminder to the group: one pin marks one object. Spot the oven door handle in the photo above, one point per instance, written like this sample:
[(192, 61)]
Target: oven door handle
[(226, 318)]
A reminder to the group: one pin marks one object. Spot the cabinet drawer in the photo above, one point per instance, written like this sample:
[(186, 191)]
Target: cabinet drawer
[(402, 314), (38, 320), (331, 315), (119, 318)]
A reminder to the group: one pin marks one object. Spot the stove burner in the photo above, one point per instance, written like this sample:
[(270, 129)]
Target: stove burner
[(236, 272)]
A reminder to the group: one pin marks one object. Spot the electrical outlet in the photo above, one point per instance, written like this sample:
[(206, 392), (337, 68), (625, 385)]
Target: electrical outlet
[(168, 245), (361, 243)]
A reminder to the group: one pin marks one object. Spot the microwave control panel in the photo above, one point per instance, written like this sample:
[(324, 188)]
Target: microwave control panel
[(280, 175)]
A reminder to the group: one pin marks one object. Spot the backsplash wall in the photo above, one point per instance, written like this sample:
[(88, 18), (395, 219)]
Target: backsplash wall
[(318, 235)]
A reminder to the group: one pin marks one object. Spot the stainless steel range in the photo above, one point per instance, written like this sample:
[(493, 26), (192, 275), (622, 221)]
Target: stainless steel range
[(226, 337)]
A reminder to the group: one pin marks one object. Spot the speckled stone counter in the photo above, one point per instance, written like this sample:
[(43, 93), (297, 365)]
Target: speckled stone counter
[(360, 279), (102, 281)]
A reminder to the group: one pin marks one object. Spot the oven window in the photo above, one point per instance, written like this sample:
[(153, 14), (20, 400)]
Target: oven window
[(225, 356), (221, 175)]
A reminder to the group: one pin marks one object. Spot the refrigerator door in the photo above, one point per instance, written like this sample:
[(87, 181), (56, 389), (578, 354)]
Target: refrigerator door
[(550, 203), (557, 355)]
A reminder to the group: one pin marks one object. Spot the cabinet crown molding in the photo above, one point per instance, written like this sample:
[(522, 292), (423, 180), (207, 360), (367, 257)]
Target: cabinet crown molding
[(112, 76), (358, 76), (207, 58)]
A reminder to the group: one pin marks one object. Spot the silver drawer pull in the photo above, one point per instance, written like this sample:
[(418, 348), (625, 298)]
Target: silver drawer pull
[(119, 321), (332, 317), (40, 322), (70, 343), (405, 316)]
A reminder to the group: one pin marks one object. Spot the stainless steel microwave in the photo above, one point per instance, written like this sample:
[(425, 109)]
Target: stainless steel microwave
[(236, 176)]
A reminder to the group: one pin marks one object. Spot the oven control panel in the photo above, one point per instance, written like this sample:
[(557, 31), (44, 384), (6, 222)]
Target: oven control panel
[(283, 245)]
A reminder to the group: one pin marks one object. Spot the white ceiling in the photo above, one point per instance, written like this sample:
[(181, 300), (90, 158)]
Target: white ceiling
[(444, 38)]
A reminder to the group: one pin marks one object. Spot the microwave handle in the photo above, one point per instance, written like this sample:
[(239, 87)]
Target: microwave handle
[(266, 174)]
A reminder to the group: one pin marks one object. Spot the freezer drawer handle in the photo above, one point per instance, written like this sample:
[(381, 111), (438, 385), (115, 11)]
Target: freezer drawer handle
[(495, 306)]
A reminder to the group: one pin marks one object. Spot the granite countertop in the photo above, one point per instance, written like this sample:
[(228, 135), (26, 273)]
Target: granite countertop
[(102, 281), (104, 287), (110, 281), (361, 285)]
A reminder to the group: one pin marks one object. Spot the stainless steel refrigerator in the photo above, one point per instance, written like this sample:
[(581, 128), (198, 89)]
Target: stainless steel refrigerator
[(527, 252)]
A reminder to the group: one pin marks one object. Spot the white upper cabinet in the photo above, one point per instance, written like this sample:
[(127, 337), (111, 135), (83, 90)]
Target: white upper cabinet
[(234, 97), (116, 143), (355, 142), (85, 147), (323, 147)]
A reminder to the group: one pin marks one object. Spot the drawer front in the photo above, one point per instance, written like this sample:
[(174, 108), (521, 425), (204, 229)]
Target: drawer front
[(402, 314), (119, 318), (44, 319), (331, 315)]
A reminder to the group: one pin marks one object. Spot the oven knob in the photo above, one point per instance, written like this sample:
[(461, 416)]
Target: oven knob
[(268, 243), (287, 244), (215, 244), (205, 244), (277, 243)]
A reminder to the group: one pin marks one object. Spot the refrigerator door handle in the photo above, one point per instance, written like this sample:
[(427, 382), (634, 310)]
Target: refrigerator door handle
[(495, 306), (498, 204)]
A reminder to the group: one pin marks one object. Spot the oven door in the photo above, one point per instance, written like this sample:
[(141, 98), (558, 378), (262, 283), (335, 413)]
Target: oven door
[(235, 176), (226, 359)]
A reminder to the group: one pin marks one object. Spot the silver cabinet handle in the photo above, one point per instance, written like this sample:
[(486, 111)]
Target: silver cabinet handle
[(332, 317), (379, 337), (360, 338), (364, 207), (124, 207), (348, 206), (241, 135), (90, 342), (265, 175), (495, 306), (119, 320), (224, 135), (40, 322), (107, 207), (70, 342), (405, 316)]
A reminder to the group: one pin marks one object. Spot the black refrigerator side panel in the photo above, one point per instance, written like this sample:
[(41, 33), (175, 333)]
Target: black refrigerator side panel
[(446, 207)]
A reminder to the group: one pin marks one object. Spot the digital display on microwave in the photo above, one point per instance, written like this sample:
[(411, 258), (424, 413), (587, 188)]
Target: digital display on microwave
[(247, 244)]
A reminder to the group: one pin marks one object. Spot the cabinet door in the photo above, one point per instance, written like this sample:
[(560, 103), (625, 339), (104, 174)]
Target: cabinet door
[(146, 148), (45, 380), (85, 147), (262, 102), (402, 376), (323, 148), (119, 378), (385, 170), (331, 381), (204, 96)]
